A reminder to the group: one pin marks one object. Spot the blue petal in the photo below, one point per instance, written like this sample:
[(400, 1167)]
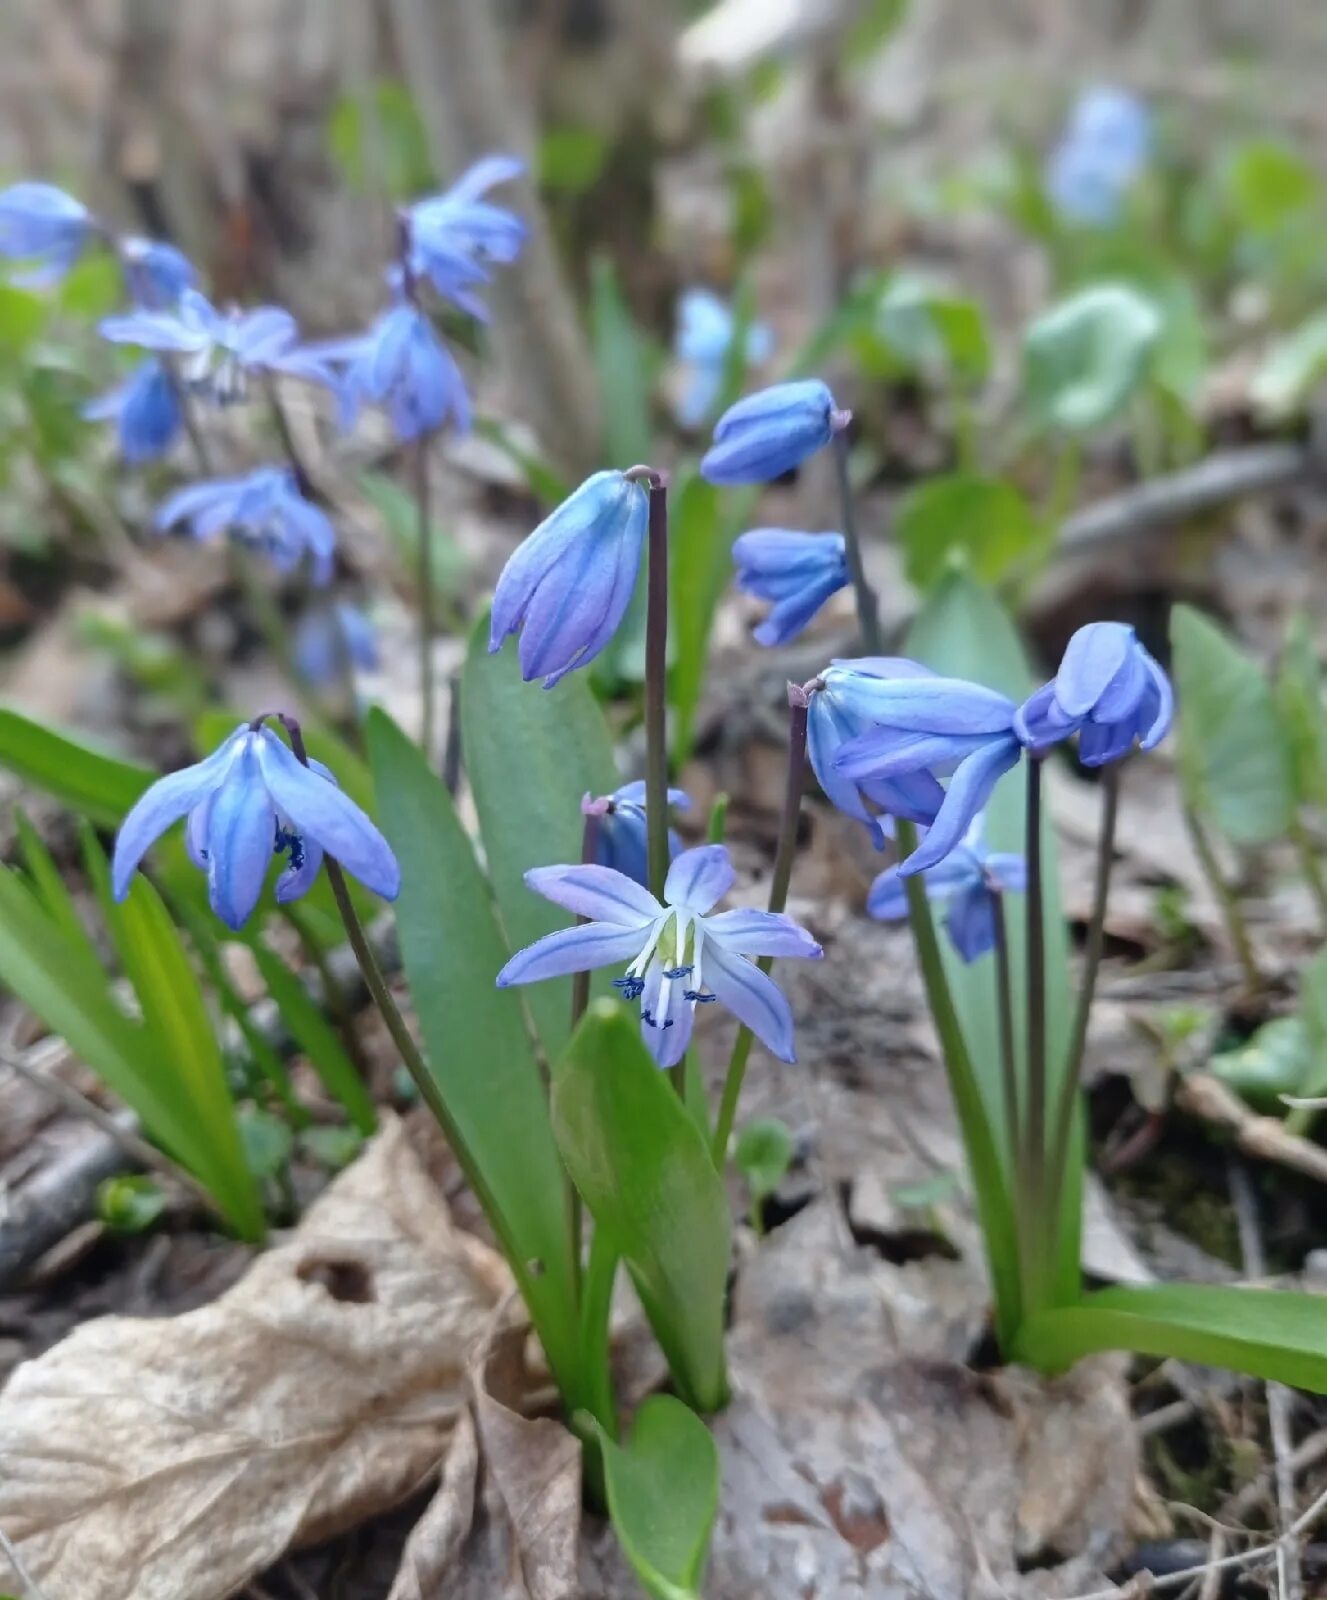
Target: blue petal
[(887, 898), (666, 1015), (579, 949), (927, 704), (296, 881), (598, 893), (1161, 710), (767, 434), (164, 803), (320, 811), (241, 824), (749, 932), (827, 728), (699, 877), (1039, 722), (1009, 871), (886, 753), (968, 791), (753, 998), (1120, 699), (1103, 742), (971, 922), (1093, 656), (484, 174), (263, 333)]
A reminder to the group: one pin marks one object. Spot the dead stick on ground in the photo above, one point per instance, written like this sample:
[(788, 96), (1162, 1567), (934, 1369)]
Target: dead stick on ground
[(1265, 1138)]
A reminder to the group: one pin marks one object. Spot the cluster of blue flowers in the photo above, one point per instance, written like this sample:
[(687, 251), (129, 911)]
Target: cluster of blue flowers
[(1100, 156)]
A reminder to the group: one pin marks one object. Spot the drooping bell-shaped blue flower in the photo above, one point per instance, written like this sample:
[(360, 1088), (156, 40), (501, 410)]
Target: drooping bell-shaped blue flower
[(44, 226), (403, 366), (623, 840), (771, 432), (156, 274), (568, 586), (1109, 691), (923, 726), (249, 800), (678, 954), (834, 718), (332, 638), (455, 235), (704, 336), (966, 883), (1104, 148), (145, 409), (797, 571), (263, 509)]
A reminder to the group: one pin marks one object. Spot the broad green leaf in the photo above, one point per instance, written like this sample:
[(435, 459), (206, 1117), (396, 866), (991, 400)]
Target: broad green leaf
[(1085, 358), (98, 786), (623, 367), (267, 1142), (572, 158), (643, 1168), (1268, 185), (964, 632), (93, 287), (531, 755), (379, 138), (176, 1016), (316, 1037), (1276, 1060), (1313, 1017), (663, 1496), (1302, 714), (934, 330), (1292, 369), (475, 1041), (984, 523), (1267, 1333), (22, 317), (763, 1153), (1233, 760)]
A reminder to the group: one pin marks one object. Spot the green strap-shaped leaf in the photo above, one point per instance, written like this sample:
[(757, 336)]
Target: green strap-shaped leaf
[(475, 1040), (51, 891), (1233, 757), (98, 786), (643, 1168), (1268, 1333), (531, 754), (663, 1495), (964, 632)]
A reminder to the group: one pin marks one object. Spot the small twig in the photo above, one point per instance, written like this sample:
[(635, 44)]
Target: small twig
[(31, 1588), (1265, 1138), (1308, 1453)]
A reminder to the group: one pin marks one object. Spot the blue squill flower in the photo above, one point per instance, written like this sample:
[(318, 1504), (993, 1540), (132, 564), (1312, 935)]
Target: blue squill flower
[(797, 571), (678, 955), (248, 801), (402, 365), (966, 882), (155, 274), (145, 409), (623, 841), (217, 350), (1109, 691), (569, 585), (263, 509), (705, 331), (454, 235), (332, 638), (45, 226), (939, 727), (833, 719), (771, 432), (1104, 148)]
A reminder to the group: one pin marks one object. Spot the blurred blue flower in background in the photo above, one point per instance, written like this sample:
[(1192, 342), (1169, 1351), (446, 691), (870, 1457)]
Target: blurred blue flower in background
[(772, 431), (568, 586), (1103, 149), (705, 332), (46, 227), (797, 571), (264, 509), (966, 882), (623, 840), (249, 800), (329, 639), (403, 366), (155, 274), (454, 235), (145, 409)]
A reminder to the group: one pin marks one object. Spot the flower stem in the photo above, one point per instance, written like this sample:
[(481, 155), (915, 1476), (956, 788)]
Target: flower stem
[(1228, 900), (580, 998), (1034, 1151), (799, 699), (656, 689), (281, 417), (1004, 995), (868, 606), (424, 537)]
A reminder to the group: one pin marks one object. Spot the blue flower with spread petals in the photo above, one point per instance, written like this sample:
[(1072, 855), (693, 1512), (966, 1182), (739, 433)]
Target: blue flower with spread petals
[(1109, 691), (45, 226), (331, 638), (797, 571), (403, 366), (835, 718), (966, 882), (218, 350), (1104, 148), (678, 954), (771, 432), (264, 509), (454, 235), (623, 841), (925, 726), (145, 409), (705, 332), (248, 801), (156, 274), (568, 586)]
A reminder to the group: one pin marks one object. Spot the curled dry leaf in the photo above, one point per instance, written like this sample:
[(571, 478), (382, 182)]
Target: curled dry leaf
[(176, 1459)]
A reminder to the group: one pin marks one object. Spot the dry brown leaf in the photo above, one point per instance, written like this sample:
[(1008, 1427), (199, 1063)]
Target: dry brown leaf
[(175, 1459)]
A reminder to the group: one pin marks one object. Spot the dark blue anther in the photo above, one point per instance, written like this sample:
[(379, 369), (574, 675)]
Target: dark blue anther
[(632, 988), (678, 972)]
